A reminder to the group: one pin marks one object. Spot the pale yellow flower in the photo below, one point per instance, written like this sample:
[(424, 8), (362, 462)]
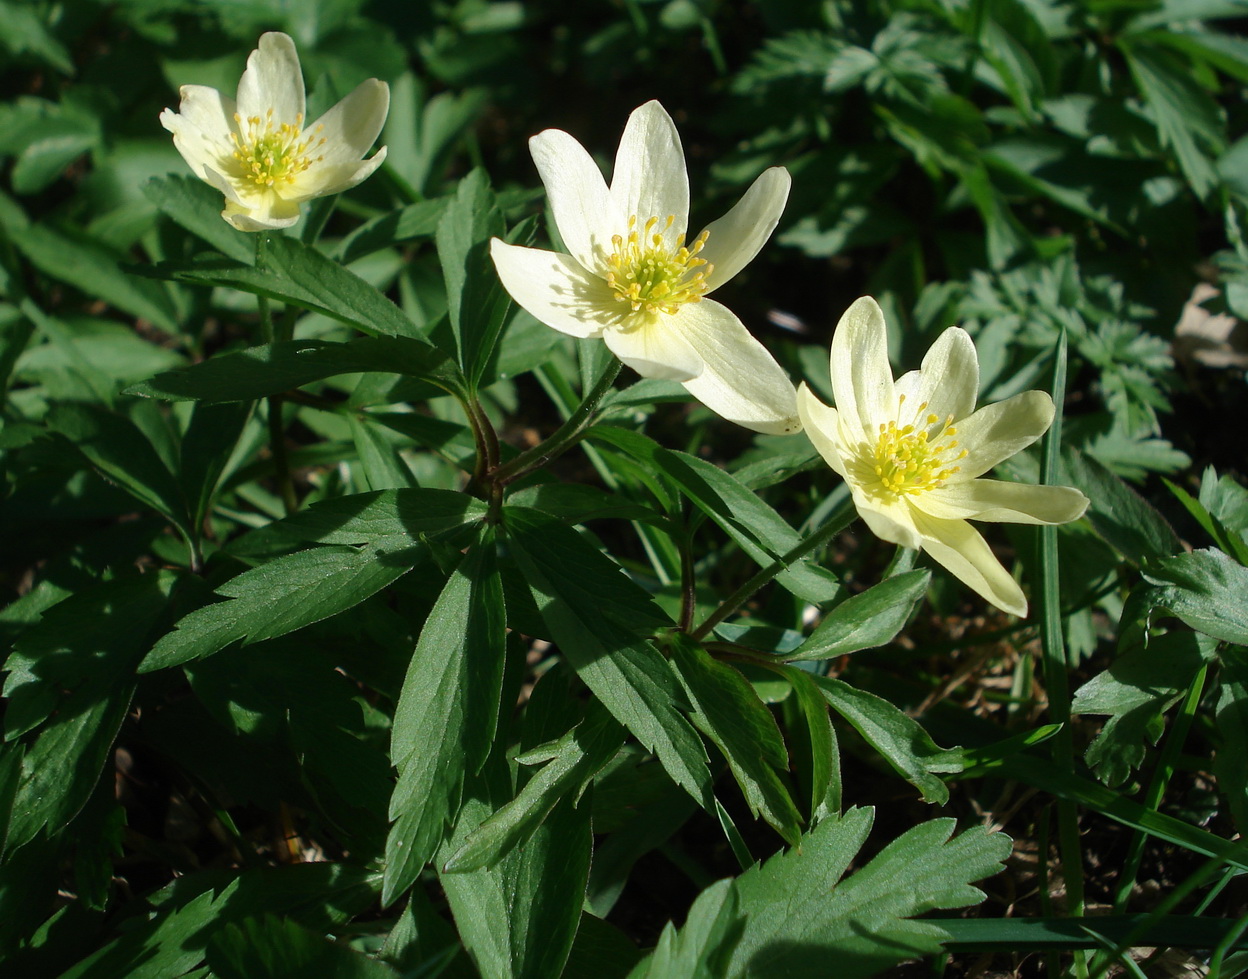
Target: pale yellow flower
[(636, 281), (257, 150), (912, 450)]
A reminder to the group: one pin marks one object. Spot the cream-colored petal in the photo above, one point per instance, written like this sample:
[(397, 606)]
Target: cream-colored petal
[(889, 520), (992, 499), (822, 426), (226, 186), (741, 381), (998, 431), (736, 238), (862, 380), (201, 127), (959, 547), (584, 211), (653, 347), (325, 179), (555, 289), (650, 179), (273, 80), (350, 128), (948, 381), (267, 212)]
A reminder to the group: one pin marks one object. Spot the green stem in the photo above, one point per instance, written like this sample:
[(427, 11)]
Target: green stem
[(1157, 787), (839, 520), (563, 438), (277, 430), (1056, 682)]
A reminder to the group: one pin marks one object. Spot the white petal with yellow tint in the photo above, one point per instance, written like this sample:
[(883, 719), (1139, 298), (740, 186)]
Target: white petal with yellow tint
[(273, 81), (948, 381), (992, 499), (740, 381), (736, 238), (821, 423), (350, 127), (650, 179), (584, 211), (998, 431), (862, 380), (960, 548), (554, 288), (334, 178), (653, 349), (265, 212)]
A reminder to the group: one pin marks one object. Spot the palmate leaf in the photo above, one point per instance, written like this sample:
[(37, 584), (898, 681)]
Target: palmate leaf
[(570, 763), (519, 917), (274, 948), (298, 274), (868, 619), (447, 712), (73, 673), (371, 540), (1205, 589), (728, 711), (795, 916), (757, 528), (1136, 691), (277, 367), (894, 734), (600, 621)]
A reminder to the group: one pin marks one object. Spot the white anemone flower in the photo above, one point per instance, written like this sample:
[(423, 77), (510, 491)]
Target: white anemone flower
[(635, 280), (257, 150), (912, 450)]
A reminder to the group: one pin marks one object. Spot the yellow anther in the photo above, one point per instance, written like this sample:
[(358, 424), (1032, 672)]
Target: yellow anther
[(268, 154), (657, 276)]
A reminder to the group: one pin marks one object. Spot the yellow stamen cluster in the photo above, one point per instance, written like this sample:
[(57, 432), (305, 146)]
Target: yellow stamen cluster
[(267, 153), (653, 275), (918, 457)]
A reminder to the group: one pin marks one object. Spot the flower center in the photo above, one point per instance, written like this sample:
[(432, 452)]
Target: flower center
[(268, 154), (918, 457), (653, 275)]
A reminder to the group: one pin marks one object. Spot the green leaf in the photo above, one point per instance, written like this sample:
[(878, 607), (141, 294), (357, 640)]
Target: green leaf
[(518, 918), (196, 206), (701, 948), (476, 302), (577, 503), (1232, 728), (1136, 691), (210, 440), (868, 619), (286, 594), (276, 367), (21, 30), (447, 712), (275, 948), (757, 528), (419, 220), (728, 711), (573, 762), (1232, 542), (1205, 589), (795, 914), (895, 735), (95, 269), (1125, 519), (298, 274), (382, 465), (121, 452), (819, 763), (74, 674), (366, 518), (599, 619), (1185, 116)]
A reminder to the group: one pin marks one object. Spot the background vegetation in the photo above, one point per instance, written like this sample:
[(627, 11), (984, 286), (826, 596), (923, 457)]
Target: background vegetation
[(205, 787)]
